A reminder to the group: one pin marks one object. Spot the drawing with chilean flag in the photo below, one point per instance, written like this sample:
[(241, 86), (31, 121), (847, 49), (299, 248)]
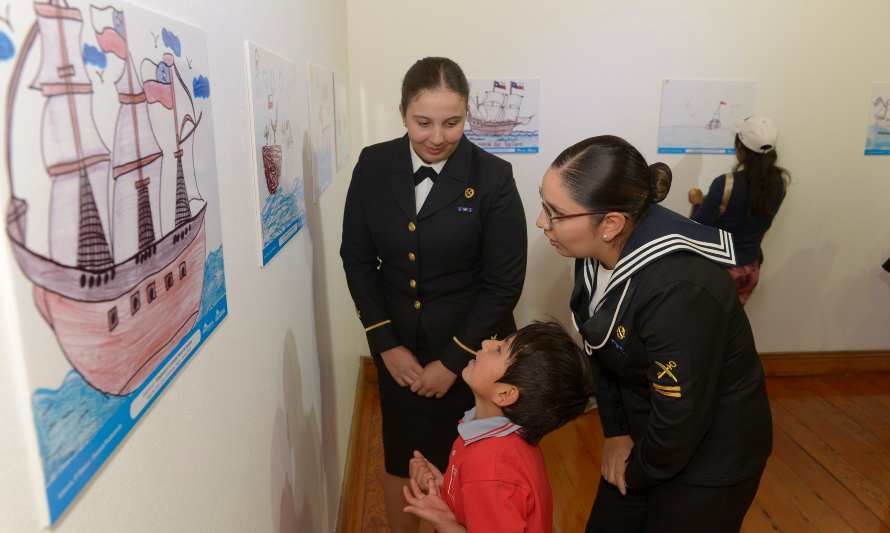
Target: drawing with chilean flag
[(501, 117), (112, 221)]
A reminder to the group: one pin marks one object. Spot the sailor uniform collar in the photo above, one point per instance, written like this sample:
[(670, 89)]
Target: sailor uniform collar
[(473, 429), (659, 233), (662, 232)]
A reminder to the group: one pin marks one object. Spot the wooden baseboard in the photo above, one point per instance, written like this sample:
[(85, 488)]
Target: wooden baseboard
[(778, 364), (349, 518), (787, 364)]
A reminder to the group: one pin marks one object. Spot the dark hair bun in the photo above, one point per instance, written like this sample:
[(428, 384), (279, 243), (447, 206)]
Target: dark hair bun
[(659, 182)]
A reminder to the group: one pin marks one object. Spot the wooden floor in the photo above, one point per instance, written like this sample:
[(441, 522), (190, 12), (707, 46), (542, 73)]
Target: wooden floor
[(829, 472)]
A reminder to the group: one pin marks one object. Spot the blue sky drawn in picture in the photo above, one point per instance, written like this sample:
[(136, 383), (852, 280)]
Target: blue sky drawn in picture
[(201, 87), (171, 41), (94, 56), (7, 48)]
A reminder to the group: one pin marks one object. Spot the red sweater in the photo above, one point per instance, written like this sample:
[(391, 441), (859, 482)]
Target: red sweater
[(496, 482)]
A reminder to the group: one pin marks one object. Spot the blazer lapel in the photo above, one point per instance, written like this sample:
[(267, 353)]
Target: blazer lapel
[(452, 182), (402, 178)]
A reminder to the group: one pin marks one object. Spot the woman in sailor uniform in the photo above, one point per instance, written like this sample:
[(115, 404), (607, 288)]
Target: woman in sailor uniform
[(681, 392), (434, 249)]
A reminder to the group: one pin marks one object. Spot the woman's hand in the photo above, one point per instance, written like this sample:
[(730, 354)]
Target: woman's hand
[(435, 380), (431, 507), (402, 365), (616, 450), (422, 471), (696, 197)]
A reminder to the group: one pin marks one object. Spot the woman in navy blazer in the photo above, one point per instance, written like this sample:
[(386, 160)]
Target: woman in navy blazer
[(434, 249)]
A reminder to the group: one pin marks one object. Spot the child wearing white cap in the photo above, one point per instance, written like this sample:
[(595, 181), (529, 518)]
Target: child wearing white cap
[(745, 201)]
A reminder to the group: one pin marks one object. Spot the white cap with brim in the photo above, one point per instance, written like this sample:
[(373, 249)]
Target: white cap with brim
[(757, 133)]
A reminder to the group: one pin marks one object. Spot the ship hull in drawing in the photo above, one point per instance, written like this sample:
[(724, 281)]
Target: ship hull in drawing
[(272, 166), (485, 127), (116, 326)]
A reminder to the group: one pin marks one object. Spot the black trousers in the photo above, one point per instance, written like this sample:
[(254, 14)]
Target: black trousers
[(672, 507), (411, 422)]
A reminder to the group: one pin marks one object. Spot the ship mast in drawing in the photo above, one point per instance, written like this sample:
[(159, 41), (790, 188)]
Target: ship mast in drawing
[(117, 288), (715, 122)]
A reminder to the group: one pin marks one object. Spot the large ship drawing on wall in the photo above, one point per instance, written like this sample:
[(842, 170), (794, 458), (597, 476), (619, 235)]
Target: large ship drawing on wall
[(497, 111), (116, 287)]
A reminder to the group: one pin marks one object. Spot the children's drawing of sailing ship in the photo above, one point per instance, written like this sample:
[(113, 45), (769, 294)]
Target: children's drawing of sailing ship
[(117, 286), (497, 110)]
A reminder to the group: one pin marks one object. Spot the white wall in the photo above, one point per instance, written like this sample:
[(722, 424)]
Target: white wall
[(601, 65), (212, 453)]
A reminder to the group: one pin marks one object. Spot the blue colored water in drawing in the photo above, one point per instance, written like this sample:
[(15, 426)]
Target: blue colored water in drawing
[(94, 56), (68, 418), (7, 48), (171, 41), (214, 281), (282, 218), (201, 87), (695, 140), (877, 142)]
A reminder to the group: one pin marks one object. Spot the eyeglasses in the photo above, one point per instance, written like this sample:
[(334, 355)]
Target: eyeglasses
[(548, 213)]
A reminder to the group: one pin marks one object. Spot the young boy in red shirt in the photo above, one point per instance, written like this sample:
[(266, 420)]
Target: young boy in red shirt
[(496, 482)]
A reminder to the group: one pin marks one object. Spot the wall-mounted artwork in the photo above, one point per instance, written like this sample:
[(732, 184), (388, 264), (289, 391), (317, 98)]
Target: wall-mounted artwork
[(341, 119), (698, 117), (503, 115), (112, 218), (321, 126), (278, 113), (877, 141)]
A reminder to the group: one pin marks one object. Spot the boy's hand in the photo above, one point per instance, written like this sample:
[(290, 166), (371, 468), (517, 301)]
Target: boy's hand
[(422, 471), (435, 380), (695, 196), (431, 507), (402, 365), (616, 450)]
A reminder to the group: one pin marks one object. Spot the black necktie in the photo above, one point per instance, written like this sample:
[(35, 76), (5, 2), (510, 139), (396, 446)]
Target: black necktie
[(423, 173)]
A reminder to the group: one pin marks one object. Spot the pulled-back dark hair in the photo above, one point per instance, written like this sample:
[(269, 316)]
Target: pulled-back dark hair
[(767, 181), (554, 379), (432, 73), (608, 173)]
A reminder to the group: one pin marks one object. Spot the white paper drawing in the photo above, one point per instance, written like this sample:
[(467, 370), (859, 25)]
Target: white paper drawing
[(699, 116), (503, 115), (278, 117), (341, 116), (877, 140), (321, 126), (112, 219)]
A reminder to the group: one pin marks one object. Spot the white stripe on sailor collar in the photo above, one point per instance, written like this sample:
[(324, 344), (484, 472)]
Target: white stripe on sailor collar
[(722, 252), (473, 430)]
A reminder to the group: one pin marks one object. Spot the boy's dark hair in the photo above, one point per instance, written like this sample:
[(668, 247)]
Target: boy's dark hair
[(553, 376)]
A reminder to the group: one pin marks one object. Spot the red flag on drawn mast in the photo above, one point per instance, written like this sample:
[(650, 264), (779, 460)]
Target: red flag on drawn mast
[(110, 32), (160, 90)]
